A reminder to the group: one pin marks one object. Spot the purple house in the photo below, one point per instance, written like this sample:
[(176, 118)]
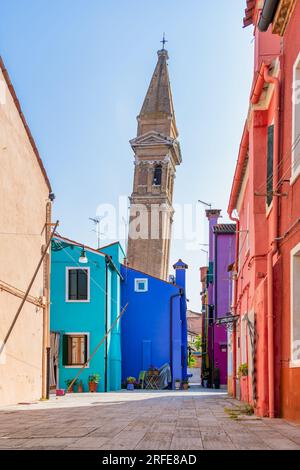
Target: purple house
[(218, 299)]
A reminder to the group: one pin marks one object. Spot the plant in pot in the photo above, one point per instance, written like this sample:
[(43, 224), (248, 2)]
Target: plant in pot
[(205, 378), (151, 371), (243, 371), (217, 378), (177, 384), (131, 381), (94, 380), (70, 385), (155, 371), (80, 387), (185, 384)]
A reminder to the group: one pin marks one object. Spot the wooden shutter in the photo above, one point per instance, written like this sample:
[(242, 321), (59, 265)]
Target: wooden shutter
[(65, 355), (270, 163), (85, 348)]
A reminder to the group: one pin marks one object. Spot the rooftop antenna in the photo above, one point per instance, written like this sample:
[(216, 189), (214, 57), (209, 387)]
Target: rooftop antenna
[(205, 203), (97, 221)]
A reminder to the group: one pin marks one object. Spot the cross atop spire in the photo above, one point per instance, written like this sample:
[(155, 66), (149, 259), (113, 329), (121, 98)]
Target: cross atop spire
[(164, 41)]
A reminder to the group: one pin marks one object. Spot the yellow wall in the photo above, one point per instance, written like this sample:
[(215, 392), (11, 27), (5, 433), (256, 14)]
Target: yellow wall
[(23, 197)]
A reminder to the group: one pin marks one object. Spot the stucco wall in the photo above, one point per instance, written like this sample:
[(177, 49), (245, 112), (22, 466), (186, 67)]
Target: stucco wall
[(87, 317), (23, 196), (146, 326)]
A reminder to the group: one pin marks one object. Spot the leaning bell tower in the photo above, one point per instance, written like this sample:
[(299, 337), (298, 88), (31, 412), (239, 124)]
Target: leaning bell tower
[(157, 153)]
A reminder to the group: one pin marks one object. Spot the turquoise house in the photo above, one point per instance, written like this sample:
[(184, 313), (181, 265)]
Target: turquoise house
[(85, 302)]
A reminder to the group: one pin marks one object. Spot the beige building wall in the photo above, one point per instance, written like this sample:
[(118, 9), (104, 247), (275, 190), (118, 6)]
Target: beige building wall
[(24, 192)]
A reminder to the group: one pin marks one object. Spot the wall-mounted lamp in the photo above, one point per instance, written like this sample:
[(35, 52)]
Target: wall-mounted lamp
[(83, 258)]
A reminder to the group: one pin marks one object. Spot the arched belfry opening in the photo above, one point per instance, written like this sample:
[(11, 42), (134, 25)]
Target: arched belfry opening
[(157, 177)]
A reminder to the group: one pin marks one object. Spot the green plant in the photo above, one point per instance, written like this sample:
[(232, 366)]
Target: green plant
[(69, 382), (94, 378), (191, 361), (243, 370), (185, 381), (198, 343), (131, 380)]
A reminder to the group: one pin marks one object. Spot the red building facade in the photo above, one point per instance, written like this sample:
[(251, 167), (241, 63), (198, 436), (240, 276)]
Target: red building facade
[(265, 203)]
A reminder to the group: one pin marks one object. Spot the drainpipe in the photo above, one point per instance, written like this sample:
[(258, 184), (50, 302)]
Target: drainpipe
[(274, 244), (106, 323), (171, 329), (237, 249), (267, 15)]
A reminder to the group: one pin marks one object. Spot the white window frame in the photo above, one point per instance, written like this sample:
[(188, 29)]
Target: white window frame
[(294, 253), (136, 283), (67, 333), (296, 69), (71, 268)]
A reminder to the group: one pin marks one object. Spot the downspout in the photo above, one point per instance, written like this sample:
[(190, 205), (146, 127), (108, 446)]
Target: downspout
[(171, 330), (267, 15), (237, 249), (106, 324), (274, 244)]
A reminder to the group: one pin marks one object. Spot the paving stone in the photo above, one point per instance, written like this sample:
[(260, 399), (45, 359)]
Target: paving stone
[(142, 420)]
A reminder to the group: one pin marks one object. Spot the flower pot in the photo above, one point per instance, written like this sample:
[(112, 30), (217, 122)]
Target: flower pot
[(244, 395), (80, 388), (156, 373), (185, 386), (93, 387), (177, 385), (130, 387), (205, 383)]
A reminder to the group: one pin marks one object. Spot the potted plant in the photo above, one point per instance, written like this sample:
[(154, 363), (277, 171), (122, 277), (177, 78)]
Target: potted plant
[(69, 382), (177, 384), (205, 379), (155, 371), (217, 378), (80, 387), (185, 384), (243, 372), (130, 383), (94, 379), (151, 371)]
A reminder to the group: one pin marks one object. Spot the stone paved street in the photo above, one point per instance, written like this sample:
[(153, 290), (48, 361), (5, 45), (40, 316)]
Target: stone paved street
[(141, 420)]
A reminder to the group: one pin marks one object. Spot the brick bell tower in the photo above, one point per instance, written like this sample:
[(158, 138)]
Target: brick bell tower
[(157, 153)]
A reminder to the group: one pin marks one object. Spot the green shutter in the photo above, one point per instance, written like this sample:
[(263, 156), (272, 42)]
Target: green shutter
[(270, 163), (82, 284), (72, 294)]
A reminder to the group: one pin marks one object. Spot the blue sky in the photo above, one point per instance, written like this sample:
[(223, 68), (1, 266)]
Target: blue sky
[(81, 69)]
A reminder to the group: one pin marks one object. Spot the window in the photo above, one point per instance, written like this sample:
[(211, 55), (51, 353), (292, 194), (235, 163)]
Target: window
[(295, 306), (75, 349), (141, 285), (157, 176), (296, 121), (77, 285), (270, 163)]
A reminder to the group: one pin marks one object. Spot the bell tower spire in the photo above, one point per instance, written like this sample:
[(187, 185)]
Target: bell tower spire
[(157, 153)]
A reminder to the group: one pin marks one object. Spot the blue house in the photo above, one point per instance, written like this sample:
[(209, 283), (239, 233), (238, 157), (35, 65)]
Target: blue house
[(85, 302), (154, 326)]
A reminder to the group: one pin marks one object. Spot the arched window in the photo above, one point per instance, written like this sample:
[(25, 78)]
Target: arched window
[(157, 175)]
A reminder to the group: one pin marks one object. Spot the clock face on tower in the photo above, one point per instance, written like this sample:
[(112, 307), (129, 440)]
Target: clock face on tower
[(157, 153)]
